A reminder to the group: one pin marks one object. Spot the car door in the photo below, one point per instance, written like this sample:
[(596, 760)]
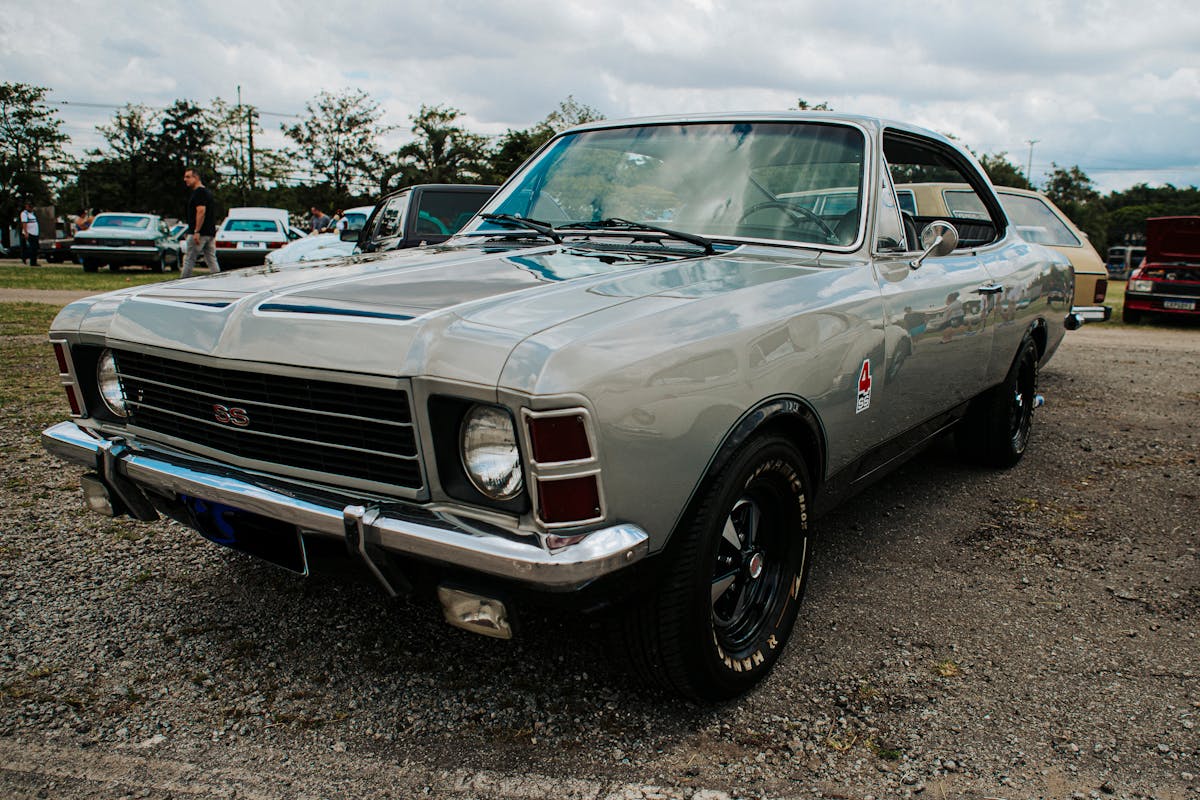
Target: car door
[(939, 315), (385, 228)]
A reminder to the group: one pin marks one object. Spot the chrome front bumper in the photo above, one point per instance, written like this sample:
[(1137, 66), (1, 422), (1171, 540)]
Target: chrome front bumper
[(137, 475)]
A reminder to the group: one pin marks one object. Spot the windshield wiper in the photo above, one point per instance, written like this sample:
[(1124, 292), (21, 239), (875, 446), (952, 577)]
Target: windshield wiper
[(513, 221), (621, 225)]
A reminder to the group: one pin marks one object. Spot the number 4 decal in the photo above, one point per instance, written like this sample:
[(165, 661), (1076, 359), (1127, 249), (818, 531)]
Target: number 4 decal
[(864, 388)]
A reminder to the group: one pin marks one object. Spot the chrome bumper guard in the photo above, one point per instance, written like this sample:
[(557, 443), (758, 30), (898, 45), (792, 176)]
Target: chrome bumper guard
[(437, 536), (1092, 313)]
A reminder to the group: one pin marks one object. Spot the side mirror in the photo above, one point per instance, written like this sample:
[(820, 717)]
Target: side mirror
[(349, 236), (939, 239)]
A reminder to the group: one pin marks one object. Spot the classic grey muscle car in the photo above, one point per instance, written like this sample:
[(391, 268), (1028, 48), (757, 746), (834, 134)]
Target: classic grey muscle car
[(632, 381)]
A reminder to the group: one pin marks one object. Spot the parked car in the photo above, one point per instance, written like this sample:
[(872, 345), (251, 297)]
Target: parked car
[(423, 214), (631, 383), (317, 246), (247, 234), (1038, 220), (1122, 260), (1168, 281), (124, 239)]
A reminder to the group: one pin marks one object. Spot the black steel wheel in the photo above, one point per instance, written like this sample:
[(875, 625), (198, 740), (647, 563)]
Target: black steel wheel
[(719, 618), (997, 427)]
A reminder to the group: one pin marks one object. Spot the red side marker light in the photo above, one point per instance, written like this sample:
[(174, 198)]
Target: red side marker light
[(557, 439), (568, 500)]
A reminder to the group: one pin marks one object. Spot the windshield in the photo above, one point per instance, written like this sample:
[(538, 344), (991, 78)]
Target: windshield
[(793, 182), (252, 225), (120, 221)]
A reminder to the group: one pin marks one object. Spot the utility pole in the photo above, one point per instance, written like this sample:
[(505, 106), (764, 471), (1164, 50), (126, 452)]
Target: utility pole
[(251, 116), (241, 150), (1029, 166)]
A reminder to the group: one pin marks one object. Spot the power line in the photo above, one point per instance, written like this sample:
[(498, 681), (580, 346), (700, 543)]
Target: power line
[(153, 108)]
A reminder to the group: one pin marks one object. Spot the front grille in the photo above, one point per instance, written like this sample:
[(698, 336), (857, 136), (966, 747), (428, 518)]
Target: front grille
[(1179, 289), (340, 429)]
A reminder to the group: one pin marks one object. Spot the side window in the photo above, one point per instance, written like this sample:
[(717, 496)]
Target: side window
[(941, 184), (444, 213), (889, 228), (391, 218), (1036, 222)]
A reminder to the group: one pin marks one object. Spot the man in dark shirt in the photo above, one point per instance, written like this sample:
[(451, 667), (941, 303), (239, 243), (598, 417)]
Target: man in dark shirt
[(202, 225)]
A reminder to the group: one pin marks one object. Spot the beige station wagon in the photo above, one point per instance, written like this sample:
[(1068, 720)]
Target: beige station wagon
[(630, 384), (1036, 219)]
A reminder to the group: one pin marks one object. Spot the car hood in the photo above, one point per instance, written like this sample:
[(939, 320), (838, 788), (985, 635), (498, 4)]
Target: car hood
[(449, 312), (1173, 240)]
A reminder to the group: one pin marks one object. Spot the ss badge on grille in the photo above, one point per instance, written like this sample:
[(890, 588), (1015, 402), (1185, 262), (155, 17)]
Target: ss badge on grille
[(230, 416)]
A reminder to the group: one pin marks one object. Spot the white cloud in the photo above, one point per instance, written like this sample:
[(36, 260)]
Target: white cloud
[(1111, 86)]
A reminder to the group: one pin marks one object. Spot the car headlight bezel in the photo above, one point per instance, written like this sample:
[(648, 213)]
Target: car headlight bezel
[(1141, 286), (489, 452), (109, 386)]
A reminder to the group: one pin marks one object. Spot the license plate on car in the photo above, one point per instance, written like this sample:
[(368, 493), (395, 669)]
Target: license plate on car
[(1180, 305), (252, 245), (253, 534)]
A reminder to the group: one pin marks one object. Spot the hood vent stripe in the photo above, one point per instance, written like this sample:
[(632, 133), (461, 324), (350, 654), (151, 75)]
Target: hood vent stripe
[(289, 308)]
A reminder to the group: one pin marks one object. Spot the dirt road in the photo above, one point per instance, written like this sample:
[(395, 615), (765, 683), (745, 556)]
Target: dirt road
[(967, 633)]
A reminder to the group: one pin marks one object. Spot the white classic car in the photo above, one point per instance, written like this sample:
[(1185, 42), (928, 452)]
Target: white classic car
[(632, 382)]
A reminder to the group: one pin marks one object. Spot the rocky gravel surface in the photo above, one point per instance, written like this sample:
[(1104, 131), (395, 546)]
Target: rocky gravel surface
[(1030, 633)]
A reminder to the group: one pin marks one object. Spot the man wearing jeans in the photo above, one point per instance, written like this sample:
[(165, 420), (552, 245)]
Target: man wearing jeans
[(29, 235), (202, 225)]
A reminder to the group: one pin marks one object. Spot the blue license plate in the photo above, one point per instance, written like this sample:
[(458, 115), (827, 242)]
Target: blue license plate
[(253, 534)]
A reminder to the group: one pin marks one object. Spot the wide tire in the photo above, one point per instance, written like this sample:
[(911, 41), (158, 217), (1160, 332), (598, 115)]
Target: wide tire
[(90, 265), (1130, 316), (997, 427), (160, 265), (724, 607)]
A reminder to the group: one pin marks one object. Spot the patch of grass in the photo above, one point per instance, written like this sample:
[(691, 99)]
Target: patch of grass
[(26, 319), (71, 277), (29, 375), (947, 668), (884, 751)]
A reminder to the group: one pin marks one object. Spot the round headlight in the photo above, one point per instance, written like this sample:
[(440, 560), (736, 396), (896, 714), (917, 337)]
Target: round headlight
[(111, 391), (489, 452)]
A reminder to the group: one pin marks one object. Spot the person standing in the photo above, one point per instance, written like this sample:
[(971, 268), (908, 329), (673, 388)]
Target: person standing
[(202, 225), (319, 220), (29, 234)]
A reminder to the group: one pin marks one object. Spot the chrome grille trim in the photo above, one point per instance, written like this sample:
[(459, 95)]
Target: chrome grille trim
[(350, 432), (174, 388), (250, 432)]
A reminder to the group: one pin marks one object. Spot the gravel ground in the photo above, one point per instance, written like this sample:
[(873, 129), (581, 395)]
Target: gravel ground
[(968, 634)]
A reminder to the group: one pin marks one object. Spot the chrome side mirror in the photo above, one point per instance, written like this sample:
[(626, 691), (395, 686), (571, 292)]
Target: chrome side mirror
[(939, 239)]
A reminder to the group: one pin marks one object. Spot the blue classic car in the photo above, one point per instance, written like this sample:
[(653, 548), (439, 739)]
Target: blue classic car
[(632, 382)]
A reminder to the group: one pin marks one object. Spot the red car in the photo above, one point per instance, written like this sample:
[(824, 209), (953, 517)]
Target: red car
[(1168, 281)]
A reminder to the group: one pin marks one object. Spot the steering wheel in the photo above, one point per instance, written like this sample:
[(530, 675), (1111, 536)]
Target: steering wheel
[(797, 213)]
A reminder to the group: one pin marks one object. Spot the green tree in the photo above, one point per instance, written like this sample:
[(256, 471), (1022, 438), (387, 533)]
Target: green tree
[(442, 150), (570, 112), (515, 146), (339, 139), (31, 140), (127, 155), (804, 105), (1003, 172)]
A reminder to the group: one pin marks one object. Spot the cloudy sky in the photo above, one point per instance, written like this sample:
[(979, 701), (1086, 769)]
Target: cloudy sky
[(1113, 87)]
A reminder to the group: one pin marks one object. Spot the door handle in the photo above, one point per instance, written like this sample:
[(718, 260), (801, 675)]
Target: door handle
[(991, 288)]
